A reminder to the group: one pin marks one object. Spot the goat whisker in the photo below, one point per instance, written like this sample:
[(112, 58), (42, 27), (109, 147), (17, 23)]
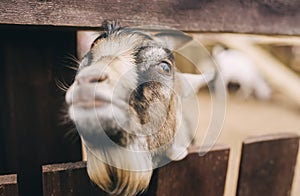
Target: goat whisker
[(62, 85)]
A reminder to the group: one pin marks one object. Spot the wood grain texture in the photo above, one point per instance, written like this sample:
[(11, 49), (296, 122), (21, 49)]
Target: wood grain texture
[(8, 185), (195, 175), (247, 16), (267, 165), (68, 179)]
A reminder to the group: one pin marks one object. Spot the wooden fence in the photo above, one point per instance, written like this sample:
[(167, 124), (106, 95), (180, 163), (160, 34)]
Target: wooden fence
[(244, 16), (266, 168), (35, 35)]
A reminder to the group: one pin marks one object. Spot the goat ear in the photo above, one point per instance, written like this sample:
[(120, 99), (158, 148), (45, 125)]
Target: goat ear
[(188, 84), (173, 39)]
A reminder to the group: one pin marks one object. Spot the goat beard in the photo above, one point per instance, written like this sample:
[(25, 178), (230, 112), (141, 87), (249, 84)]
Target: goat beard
[(126, 167), (132, 180)]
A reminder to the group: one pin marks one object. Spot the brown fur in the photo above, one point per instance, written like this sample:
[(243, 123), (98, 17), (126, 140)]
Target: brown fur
[(146, 94), (164, 137)]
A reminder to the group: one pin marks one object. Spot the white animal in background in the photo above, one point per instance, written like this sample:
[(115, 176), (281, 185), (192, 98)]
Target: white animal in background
[(240, 74), (129, 102)]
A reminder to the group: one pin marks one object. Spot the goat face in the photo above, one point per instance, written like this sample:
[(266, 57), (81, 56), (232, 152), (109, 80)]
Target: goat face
[(125, 106), (122, 98)]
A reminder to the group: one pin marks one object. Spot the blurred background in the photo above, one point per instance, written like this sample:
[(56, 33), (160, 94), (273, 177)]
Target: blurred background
[(262, 75)]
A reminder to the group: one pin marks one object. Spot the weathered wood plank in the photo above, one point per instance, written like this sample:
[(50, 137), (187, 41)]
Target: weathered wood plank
[(68, 179), (195, 175), (248, 16), (8, 185), (267, 165)]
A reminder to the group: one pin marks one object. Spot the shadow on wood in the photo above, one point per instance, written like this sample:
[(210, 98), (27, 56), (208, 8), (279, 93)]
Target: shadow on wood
[(31, 127)]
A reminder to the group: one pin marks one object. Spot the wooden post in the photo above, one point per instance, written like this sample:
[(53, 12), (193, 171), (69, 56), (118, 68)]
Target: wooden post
[(267, 165), (8, 185)]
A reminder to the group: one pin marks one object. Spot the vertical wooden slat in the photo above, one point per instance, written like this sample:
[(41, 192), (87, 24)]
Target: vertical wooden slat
[(194, 175), (267, 165), (8, 185), (3, 116), (68, 179)]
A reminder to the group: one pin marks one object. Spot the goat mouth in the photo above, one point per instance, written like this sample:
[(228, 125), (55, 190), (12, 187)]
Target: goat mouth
[(90, 104)]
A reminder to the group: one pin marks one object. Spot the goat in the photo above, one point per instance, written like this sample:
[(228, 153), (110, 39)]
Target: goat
[(240, 74), (130, 106)]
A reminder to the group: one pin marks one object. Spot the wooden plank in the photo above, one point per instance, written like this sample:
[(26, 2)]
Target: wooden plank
[(8, 185), (195, 175), (267, 165), (270, 17), (33, 133), (68, 179)]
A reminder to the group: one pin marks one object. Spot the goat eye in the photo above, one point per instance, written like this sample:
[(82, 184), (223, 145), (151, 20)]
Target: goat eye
[(164, 68)]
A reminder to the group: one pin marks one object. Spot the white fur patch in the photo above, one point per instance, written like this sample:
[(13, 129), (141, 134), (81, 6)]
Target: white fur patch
[(236, 67)]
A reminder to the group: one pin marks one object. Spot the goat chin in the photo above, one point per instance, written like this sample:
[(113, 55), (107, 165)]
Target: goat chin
[(116, 181)]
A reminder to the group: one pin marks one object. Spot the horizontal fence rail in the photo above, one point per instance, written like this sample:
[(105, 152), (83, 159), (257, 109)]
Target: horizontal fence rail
[(247, 16)]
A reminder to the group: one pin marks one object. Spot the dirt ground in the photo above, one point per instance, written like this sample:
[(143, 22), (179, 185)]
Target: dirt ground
[(251, 117)]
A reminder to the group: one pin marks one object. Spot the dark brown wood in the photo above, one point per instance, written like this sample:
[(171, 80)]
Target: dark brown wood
[(32, 128), (195, 175), (3, 114), (247, 16), (68, 179), (267, 165), (8, 185)]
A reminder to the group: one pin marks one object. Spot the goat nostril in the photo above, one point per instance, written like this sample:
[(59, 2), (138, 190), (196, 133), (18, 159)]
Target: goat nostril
[(91, 79), (98, 79)]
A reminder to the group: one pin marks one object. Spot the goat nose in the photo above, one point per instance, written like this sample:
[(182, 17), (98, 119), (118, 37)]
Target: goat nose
[(91, 79)]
